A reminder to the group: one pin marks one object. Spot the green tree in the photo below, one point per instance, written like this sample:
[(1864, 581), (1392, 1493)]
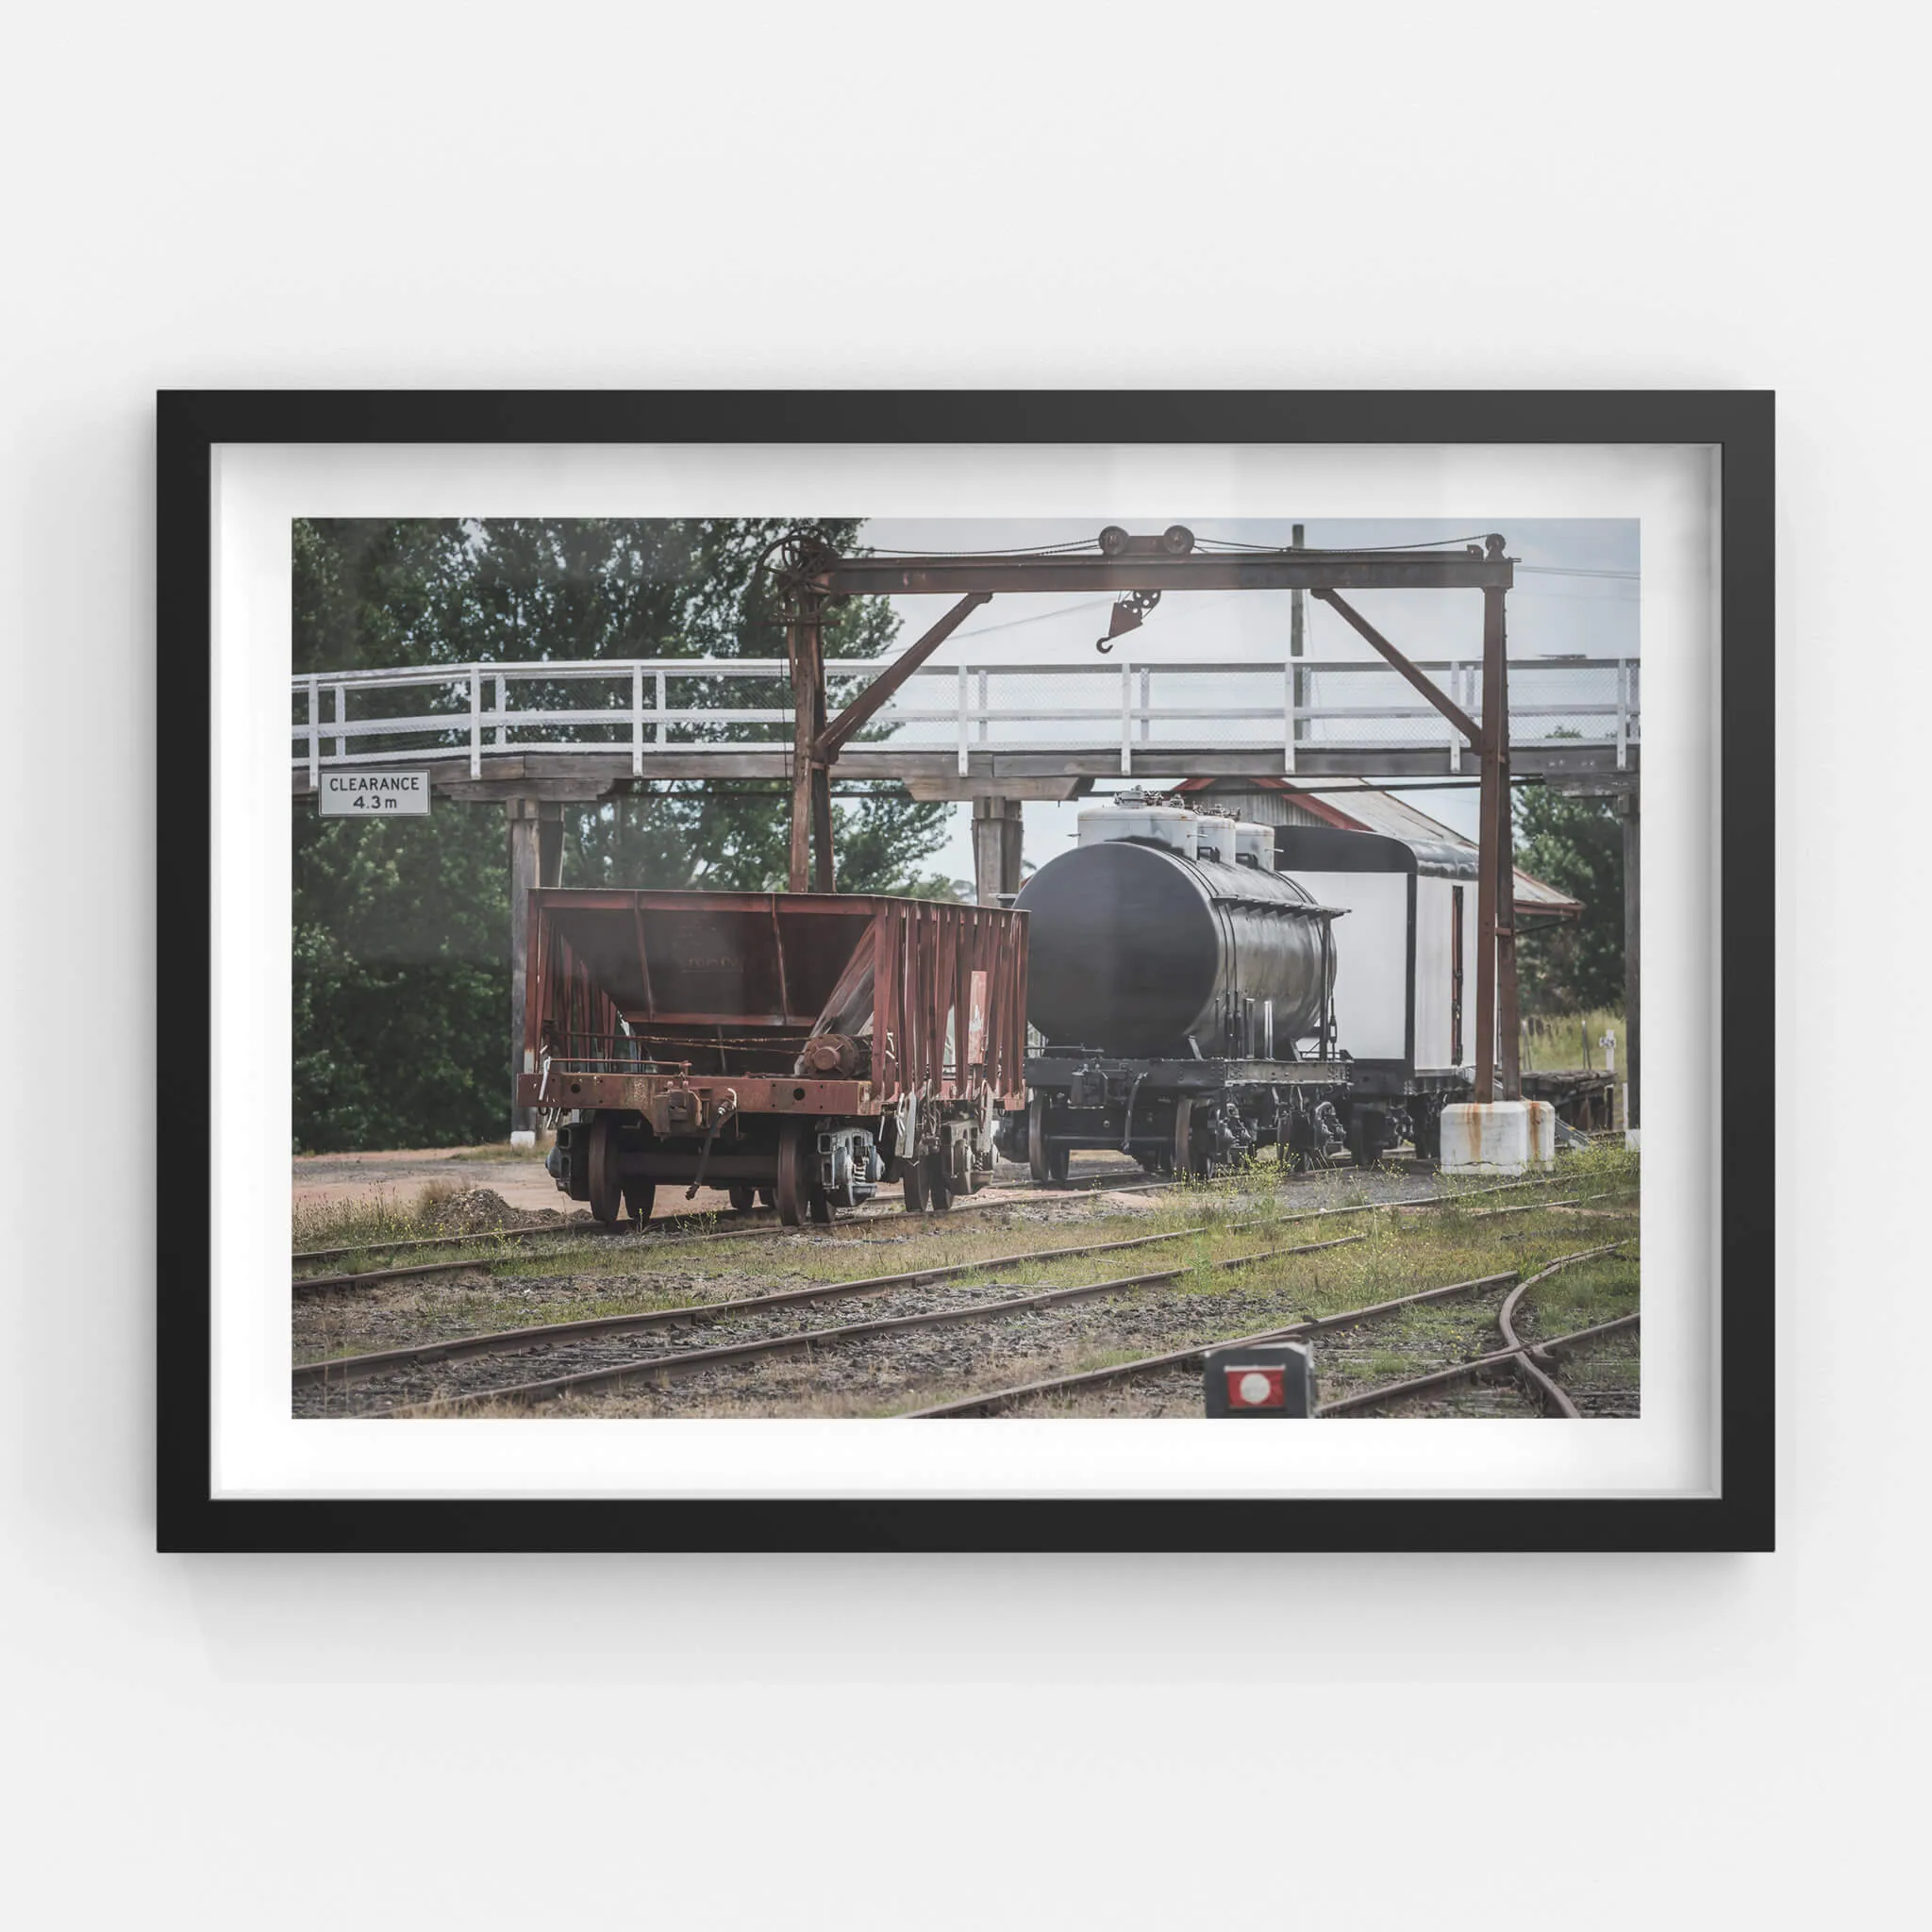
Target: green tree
[(401, 964), (1576, 844)]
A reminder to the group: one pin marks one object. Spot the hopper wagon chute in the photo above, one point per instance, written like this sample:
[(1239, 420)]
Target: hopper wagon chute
[(795, 1048)]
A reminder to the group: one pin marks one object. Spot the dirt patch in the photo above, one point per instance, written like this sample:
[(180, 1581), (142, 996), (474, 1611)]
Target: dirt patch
[(328, 1182)]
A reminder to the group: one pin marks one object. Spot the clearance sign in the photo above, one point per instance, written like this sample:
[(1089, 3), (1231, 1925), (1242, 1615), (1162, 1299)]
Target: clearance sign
[(374, 795)]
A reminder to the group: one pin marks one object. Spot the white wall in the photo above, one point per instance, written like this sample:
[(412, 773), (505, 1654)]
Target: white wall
[(1371, 957), (1435, 976), (1655, 193)]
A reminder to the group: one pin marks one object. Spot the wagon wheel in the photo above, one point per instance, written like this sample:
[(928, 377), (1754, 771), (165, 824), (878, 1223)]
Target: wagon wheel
[(1188, 1163), (914, 1184), (606, 1186), (793, 1190), (1046, 1162), (742, 1196), (638, 1197)]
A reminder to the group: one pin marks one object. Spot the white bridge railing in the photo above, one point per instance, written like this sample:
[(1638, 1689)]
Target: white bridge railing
[(648, 707)]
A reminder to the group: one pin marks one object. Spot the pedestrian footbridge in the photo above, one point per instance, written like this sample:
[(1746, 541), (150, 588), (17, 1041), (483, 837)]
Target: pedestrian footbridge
[(581, 730)]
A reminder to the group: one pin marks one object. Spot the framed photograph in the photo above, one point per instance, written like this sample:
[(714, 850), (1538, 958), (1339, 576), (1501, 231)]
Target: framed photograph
[(1074, 971)]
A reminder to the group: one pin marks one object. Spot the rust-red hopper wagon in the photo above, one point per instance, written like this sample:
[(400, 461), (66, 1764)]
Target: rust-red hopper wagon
[(796, 1048)]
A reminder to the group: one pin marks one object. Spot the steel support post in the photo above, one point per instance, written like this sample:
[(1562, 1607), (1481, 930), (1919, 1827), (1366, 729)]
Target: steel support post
[(812, 789), (536, 831), (1633, 902), (822, 880), (1499, 836), (1485, 1065)]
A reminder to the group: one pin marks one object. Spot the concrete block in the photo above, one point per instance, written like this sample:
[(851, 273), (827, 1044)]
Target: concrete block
[(1504, 1137)]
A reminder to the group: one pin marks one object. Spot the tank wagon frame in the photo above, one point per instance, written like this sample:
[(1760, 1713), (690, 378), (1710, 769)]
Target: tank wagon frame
[(798, 1048)]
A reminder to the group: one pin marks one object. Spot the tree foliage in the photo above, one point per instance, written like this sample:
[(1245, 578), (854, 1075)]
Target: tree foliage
[(401, 930), (1576, 844)]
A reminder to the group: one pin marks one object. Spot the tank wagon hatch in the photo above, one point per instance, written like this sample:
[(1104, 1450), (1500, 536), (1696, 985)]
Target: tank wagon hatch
[(798, 1047)]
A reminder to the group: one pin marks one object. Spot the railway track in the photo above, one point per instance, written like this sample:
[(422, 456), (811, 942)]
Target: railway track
[(971, 1308), (568, 1233), (1516, 1354), (710, 1224), (342, 1370), (600, 1352), (1018, 1395)]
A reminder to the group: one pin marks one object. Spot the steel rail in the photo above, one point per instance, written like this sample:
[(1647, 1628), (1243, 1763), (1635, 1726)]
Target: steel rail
[(374, 1278), (1395, 1391), (1177, 1359), (1540, 1384), (804, 1342), (566, 1236), (513, 1341), (356, 1368), (596, 1229), (318, 1284)]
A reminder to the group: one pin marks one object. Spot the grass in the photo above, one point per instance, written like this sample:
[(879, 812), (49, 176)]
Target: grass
[(1398, 1256), (1565, 1041), (369, 1220)]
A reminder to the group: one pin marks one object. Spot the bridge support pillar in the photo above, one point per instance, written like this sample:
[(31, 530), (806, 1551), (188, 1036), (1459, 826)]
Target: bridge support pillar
[(536, 859), (995, 848)]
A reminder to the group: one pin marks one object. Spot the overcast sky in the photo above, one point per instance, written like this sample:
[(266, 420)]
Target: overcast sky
[(1551, 613)]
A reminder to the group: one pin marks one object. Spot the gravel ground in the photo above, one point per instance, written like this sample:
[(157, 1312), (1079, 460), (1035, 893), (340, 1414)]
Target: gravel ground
[(1488, 1398), (628, 1275), (887, 1373), (1346, 1360), (1604, 1380), (1142, 1322)]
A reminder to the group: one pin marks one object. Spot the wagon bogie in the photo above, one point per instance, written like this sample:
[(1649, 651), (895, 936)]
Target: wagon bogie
[(1188, 1118)]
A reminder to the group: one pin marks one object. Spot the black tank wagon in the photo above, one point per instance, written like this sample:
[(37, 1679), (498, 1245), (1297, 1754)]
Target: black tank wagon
[(1186, 993), (799, 1048), (1206, 987)]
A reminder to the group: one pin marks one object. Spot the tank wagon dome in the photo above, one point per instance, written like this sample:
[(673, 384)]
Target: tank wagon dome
[(1135, 945)]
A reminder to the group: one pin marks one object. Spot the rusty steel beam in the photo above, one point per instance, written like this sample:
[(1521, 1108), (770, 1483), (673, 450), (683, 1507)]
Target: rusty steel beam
[(1497, 846), (1451, 711), (860, 711), (819, 575), (1274, 570), (804, 648)]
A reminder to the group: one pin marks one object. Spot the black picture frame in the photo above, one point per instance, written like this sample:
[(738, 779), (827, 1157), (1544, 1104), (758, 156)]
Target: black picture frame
[(192, 425)]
